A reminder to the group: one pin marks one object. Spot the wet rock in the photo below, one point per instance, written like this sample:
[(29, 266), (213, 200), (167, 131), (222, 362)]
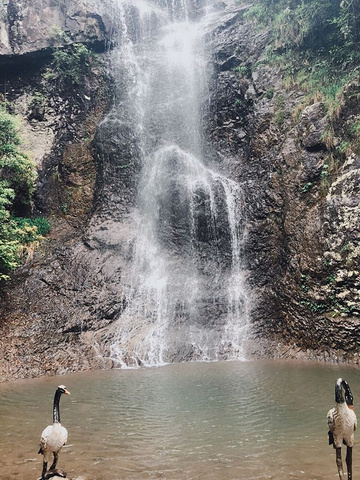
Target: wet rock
[(30, 26), (311, 127)]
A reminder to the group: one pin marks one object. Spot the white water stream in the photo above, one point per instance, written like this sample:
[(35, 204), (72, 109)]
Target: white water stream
[(186, 298)]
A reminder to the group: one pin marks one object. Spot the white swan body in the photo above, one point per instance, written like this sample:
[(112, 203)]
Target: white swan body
[(53, 438), (342, 423)]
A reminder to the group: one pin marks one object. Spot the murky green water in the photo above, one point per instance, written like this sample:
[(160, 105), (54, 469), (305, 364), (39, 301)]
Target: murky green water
[(213, 421)]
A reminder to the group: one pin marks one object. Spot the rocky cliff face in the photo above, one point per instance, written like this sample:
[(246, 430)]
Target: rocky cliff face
[(302, 202), (58, 122), (33, 27)]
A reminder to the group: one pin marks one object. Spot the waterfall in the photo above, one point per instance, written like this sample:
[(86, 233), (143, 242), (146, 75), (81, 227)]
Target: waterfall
[(186, 298)]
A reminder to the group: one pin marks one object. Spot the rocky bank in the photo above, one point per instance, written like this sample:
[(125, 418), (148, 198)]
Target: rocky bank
[(302, 196)]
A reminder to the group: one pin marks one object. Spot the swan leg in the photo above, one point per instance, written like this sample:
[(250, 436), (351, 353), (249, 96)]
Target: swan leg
[(56, 458), (43, 473), (57, 473), (339, 463), (349, 462)]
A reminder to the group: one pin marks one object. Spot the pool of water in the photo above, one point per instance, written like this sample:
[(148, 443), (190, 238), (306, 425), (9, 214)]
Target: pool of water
[(213, 421)]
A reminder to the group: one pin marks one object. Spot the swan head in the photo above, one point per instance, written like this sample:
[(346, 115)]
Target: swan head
[(62, 389), (339, 391), (343, 392)]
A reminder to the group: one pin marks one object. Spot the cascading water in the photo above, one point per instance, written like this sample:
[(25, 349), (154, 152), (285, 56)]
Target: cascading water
[(186, 296)]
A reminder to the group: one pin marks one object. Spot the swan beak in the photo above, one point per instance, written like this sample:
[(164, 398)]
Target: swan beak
[(67, 391)]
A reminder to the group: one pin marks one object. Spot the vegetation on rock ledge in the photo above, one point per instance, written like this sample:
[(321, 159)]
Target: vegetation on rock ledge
[(17, 184), (71, 64), (316, 42)]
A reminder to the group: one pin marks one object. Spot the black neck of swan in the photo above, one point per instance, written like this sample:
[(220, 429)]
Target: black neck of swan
[(56, 411), (348, 394)]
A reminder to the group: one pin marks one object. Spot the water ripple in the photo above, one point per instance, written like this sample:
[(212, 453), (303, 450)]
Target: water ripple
[(215, 421)]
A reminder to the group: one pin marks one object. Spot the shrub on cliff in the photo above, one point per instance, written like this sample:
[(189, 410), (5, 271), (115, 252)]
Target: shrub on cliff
[(16, 169), (70, 64), (310, 24), (317, 42), (17, 184), (298, 24)]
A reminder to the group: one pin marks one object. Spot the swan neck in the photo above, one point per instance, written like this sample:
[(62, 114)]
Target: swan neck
[(56, 411)]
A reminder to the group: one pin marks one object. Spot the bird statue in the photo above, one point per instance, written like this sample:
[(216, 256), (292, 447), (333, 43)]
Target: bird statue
[(342, 425), (53, 438)]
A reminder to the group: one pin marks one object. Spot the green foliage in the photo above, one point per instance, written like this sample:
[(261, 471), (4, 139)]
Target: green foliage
[(344, 146), (37, 106), (348, 247), (314, 307), (9, 247), (324, 171), (305, 24), (279, 117), (243, 70), (9, 251), (64, 208), (304, 283), (16, 169), (8, 133), (70, 64), (355, 128), (37, 100), (42, 225), (19, 170), (348, 20), (280, 101), (17, 184), (258, 13), (302, 24), (16, 237), (315, 42), (269, 93), (306, 187)]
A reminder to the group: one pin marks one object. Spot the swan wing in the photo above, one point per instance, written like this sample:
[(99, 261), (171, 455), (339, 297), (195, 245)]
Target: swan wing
[(352, 420), (330, 419), (64, 435), (44, 438), (355, 422)]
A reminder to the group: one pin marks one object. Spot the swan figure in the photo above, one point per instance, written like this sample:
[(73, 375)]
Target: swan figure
[(342, 425), (53, 438)]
